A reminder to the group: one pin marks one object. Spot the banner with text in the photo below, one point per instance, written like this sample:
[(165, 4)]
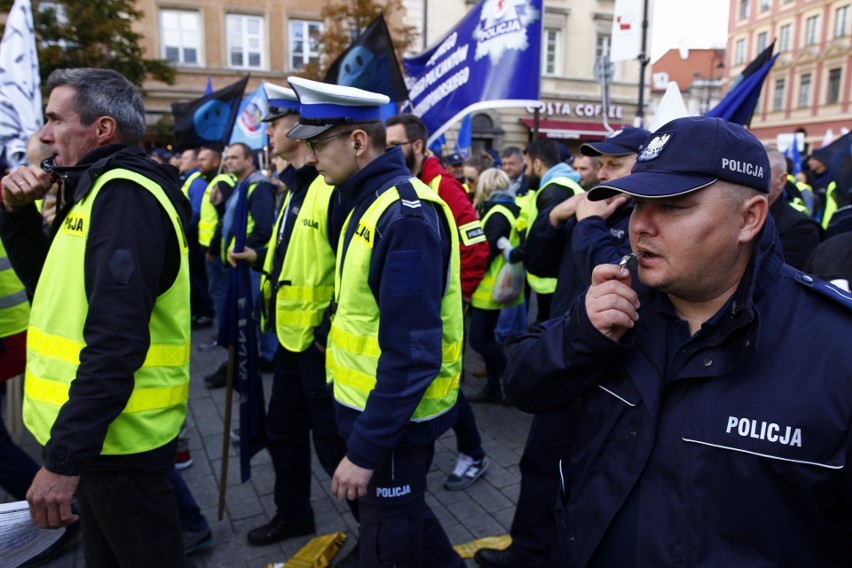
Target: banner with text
[(491, 59)]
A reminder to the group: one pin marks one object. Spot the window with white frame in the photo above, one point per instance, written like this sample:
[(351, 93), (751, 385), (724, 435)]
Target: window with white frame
[(805, 90), (304, 43), (180, 37), (551, 47), (811, 28), (784, 35), (245, 41), (841, 21), (744, 9), (765, 5), (832, 93), (762, 39), (778, 95), (739, 52)]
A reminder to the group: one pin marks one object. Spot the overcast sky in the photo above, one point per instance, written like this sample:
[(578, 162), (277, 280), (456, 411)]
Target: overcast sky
[(701, 23)]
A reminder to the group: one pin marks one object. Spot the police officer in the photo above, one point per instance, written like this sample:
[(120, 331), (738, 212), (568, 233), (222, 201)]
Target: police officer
[(107, 373), (394, 350), (705, 433), (297, 287)]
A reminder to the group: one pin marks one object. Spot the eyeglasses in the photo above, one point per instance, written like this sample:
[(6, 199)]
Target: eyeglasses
[(314, 144), (395, 144)]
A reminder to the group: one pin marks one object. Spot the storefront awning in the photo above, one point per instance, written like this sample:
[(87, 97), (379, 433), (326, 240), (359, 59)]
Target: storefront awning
[(571, 129)]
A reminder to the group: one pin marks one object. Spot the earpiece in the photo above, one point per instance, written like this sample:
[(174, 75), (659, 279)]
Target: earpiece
[(357, 145)]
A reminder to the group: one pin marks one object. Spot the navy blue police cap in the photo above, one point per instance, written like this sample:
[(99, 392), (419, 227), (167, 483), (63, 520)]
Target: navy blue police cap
[(691, 153)]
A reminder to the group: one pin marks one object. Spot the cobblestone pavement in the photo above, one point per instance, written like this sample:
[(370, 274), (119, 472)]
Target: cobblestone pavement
[(484, 509)]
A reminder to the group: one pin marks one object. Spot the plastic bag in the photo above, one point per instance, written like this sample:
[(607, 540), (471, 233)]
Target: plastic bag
[(509, 283)]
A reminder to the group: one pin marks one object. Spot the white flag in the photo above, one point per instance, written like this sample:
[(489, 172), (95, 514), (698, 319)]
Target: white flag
[(626, 30), (20, 94)]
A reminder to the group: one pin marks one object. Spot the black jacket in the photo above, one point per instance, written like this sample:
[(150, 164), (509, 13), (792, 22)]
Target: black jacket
[(129, 223)]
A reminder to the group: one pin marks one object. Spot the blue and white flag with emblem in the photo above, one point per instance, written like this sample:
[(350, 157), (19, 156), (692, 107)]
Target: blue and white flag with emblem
[(248, 127), (20, 94), (209, 120), (491, 59)]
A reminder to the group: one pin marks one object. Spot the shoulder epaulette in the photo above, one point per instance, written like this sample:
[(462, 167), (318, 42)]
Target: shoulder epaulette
[(826, 289)]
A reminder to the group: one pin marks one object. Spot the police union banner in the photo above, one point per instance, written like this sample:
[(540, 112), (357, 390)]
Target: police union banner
[(491, 59)]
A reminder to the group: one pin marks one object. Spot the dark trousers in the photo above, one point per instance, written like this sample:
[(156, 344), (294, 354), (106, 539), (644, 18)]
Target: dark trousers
[(300, 407), (199, 297), (534, 524), (398, 529), (17, 468), (544, 302), (482, 326), (189, 513), (129, 519), (468, 440)]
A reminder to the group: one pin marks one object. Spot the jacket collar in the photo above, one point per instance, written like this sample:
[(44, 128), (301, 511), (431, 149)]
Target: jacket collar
[(375, 177)]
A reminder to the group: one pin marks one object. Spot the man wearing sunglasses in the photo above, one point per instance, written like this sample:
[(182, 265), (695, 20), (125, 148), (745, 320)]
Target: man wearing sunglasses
[(394, 349)]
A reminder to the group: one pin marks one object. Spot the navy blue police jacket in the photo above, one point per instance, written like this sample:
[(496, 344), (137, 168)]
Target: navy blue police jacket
[(740, 458), (408, 275)]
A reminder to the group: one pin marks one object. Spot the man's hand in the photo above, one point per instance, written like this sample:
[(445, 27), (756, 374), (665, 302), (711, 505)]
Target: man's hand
[(603, 208), (248, 254), (565, 210), (50, 498), (611, 303), (350, 481), (24, 185), (215, 196)]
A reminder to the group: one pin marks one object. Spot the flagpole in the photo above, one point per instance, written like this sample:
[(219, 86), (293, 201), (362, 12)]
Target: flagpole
[(643, 62), (226, 434)]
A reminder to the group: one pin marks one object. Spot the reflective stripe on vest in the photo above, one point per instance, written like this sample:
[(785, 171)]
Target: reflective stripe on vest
[(14, 304), (470, 233), (208, 219), (188, 183), (353, 347), (306, 281), (830, 204), (157, 406), (482, 297), (545, 285)]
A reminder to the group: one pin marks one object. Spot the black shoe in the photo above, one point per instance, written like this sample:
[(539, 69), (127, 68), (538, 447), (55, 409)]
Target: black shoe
[(218, 378), (199, 322), (493, 558), (277, 530), (490, 393)]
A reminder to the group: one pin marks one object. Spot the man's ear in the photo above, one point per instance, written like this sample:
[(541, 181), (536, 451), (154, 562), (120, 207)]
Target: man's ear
[(754, 212), (106, 130), (419, 147), (359, 140)]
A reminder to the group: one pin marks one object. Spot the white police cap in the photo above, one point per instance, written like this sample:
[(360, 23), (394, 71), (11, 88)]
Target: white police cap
[(282, 101), (321, 106)]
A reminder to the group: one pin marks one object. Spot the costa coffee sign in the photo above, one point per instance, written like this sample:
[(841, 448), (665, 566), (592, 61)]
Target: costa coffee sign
[(559, 109)]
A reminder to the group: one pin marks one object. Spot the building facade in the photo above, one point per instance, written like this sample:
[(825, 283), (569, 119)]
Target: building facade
[(272, 40), (809, 86), (699, 74), (575, 33)]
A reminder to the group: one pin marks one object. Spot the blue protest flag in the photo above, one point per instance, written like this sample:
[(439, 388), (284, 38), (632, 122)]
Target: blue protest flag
[(248, 127), (209, 120), (209, 89), (465, 138), (795, 156), (491, 59), (370, 63), (237, 329), (437, 145), (739, 104)]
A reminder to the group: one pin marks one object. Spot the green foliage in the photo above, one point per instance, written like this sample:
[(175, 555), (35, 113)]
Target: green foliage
[(92, 33)]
